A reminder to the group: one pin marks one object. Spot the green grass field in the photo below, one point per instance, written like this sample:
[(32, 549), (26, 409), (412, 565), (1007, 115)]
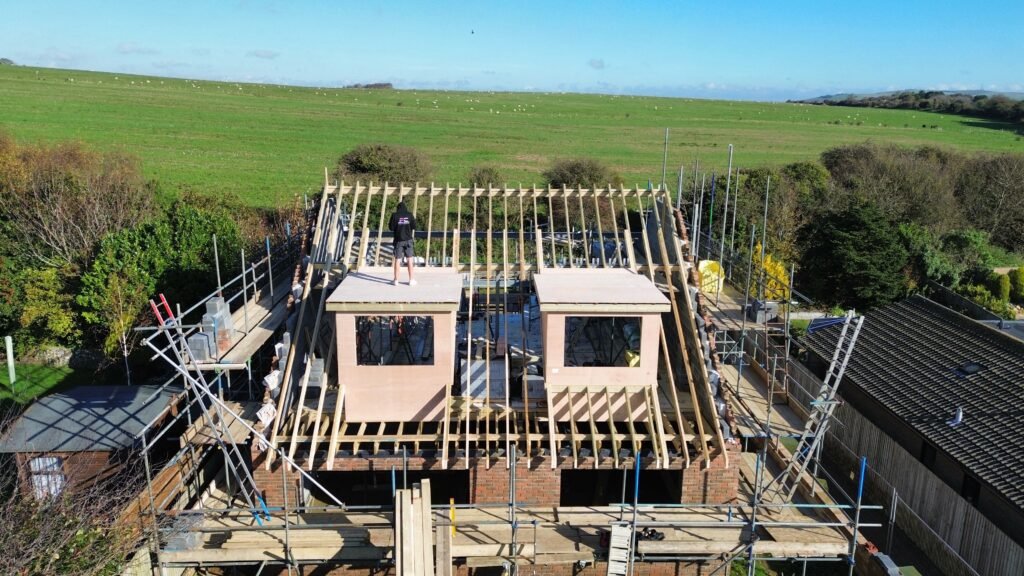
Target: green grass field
[(268, 143), (32, 380)]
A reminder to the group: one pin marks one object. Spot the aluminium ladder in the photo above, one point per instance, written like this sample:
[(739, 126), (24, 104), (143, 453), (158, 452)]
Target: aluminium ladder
[(214, 414), (620, 549), (782, 487)]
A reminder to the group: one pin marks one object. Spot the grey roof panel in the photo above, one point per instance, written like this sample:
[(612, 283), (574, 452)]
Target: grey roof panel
[(100, 418), (907, 358)]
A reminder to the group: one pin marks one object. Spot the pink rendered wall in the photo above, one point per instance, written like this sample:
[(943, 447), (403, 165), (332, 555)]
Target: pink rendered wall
[(395, 393), (556, 374)]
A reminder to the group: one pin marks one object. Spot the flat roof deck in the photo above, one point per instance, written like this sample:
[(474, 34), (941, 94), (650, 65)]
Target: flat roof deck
[(370, 289), (597, 289)]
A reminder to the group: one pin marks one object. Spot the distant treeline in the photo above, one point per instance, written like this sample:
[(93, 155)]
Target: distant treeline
[(996, 107), (373, 86)]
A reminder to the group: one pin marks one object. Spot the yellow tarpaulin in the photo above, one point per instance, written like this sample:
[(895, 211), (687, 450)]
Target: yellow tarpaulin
[(711, 276)]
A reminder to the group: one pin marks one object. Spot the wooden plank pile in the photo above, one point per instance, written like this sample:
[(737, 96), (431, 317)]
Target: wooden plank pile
[(414, 540)]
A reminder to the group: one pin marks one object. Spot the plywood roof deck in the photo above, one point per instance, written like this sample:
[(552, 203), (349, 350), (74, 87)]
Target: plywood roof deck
[(371, 289), (600, 289)]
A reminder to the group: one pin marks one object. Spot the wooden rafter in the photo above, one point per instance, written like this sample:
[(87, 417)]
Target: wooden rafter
[(699, 380), (467, 422)]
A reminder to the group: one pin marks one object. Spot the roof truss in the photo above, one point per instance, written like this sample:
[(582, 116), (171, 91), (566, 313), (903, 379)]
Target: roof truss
[(537, 228)]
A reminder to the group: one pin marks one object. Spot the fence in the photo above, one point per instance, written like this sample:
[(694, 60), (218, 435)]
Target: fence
[(958, 538), (954, 535)]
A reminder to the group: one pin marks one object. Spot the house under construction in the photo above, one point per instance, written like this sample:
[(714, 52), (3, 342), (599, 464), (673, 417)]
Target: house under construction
[(544, 399)]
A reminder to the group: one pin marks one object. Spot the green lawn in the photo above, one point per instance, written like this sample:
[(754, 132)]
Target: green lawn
[(268, 143), (33, 380)]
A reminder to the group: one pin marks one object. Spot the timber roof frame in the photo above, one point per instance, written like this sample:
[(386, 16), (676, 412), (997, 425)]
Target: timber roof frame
[(550, 227)]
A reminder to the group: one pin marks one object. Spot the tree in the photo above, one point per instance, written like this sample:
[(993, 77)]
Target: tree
[(581, 172), (114, 293), (926, 261), (991, 191), (384, 163), (486, 175), (811, 182), (172, 254), (10, 296), (59, 201), (47, 314), (852, 258), (915, 185)]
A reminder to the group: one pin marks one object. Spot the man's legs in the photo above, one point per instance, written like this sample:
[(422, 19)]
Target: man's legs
[(395, 258), (408, 264)]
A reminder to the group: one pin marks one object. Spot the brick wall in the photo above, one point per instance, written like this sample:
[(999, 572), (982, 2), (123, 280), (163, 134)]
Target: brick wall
[(273, 483), (714, 484), (80, 468), (539, 486)]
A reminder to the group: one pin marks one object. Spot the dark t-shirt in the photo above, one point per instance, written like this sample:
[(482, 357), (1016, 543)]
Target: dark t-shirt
[(402, 225)]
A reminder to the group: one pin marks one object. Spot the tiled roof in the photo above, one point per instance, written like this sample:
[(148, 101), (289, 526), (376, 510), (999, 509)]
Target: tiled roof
[(911, 358)]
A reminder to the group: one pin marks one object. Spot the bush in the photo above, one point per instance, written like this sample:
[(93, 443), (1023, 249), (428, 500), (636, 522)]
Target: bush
[(384, 163), (969, 250), (927, 262), (582, 173), (1017, 285), (47, 316), (1003, 287), (981, 296), (485, 175)]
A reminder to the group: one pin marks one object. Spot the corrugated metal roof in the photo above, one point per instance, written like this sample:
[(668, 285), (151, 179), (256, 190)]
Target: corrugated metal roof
[(910, 356), (98, 418)]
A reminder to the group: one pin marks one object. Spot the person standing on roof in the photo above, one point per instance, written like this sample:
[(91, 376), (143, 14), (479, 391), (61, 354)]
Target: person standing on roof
[(403, 225)]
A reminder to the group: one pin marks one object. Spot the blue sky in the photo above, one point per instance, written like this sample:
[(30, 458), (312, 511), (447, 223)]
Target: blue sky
[(700, 48)]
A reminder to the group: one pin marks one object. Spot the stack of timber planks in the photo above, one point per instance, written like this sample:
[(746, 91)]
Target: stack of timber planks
[(414, 541)]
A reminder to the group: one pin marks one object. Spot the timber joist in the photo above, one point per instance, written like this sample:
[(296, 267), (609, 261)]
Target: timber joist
[(536, 228)]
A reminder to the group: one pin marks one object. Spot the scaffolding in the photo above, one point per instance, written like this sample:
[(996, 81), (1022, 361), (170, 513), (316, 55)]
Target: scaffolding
[(635, 229)]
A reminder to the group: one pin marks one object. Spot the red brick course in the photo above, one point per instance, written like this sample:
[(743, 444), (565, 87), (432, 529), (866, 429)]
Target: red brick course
[(714, 484), (538, 485), (81, 469)]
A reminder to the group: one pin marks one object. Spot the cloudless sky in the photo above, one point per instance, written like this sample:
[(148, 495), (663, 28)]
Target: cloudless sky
[(747, 49)]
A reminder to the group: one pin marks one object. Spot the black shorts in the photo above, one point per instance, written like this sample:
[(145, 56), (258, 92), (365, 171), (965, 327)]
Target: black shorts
[(403, 249)]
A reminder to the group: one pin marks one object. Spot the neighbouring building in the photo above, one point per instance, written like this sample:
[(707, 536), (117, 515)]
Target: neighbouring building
[(935, 401), (74, 438)]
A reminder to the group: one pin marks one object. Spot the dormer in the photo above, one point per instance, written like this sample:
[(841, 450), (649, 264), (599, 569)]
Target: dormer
[(601, 333), (396, 343)]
